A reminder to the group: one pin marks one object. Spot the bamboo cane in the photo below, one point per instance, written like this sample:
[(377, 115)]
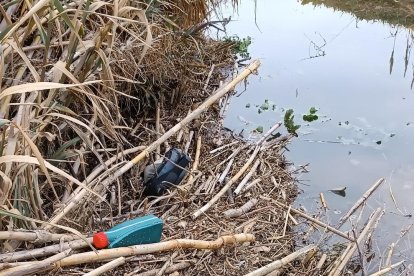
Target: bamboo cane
[(247, 177), (78, 198), (227, 186), (44, 251), (232, 213), (280, 263), (105, 254), (106, 267), (357, 204), (350, 252), (387, 269), (35, 267), (324, 225), (35, 236)]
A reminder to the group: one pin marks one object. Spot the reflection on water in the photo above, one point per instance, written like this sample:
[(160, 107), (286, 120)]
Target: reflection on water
[(315, 56)]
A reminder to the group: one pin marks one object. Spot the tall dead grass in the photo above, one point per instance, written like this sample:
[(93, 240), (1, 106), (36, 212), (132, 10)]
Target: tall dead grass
[(76, 78)]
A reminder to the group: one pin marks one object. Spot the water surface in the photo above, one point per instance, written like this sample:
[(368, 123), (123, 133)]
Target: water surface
[(316, 56)]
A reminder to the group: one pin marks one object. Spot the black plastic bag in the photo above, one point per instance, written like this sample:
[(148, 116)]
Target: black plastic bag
[(162, 175)]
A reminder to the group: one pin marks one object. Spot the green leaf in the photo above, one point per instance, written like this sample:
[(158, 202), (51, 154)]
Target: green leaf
[(259, 129), (289, 123), (62, 12), (312, 110)]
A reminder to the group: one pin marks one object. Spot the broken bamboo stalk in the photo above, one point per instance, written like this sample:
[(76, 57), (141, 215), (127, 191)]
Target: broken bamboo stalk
[(227, 186), (267, 134), (106, 267), (247, 177), (357, 204), (318, 222), (169, 270), (348, 254), (106, 254), (36, 266), (79, 197), (232, 213), (187, 187), (40, 236), (387, 269), (282, 262), (44, 251)]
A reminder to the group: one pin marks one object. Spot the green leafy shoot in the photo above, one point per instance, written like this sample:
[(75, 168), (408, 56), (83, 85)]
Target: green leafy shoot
[(289, 123), (311, 116), (241, 45)]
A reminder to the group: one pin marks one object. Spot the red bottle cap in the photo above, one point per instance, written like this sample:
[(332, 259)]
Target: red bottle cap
[(100, 240)]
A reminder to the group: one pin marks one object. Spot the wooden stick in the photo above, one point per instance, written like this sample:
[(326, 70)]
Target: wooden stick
[(388, 269), (171, 269), (44, 251), (324, 225), (282, 262), (227, 186), (357, 204), (320, 264), (190, 138), (324, 205), (225, 172), (232, 213), (251, 184), (105, 254), (78, 198), (35, 267), (351, 251), (39, 236), (106, 267), (247, 177)]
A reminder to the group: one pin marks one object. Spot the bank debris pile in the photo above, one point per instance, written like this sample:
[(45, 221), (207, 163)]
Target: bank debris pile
[(87, 86)]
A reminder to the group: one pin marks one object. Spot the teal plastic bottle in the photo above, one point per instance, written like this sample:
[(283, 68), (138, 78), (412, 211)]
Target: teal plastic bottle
[(140, 230)]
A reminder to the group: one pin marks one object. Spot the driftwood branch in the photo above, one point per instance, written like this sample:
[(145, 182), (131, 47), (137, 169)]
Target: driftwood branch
[(78, 199), (280, 263)]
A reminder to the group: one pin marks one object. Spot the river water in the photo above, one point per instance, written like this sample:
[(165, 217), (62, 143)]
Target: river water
[(313, 56)]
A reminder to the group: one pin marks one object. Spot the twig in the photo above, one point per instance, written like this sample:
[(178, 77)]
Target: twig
[(232, 213), (190, 138), (171, 269), (282, 262), (388, 269), (320, 264), (247, 177), (225, 172), (167, 264), (324, 225), (357, 204), (227, 186), (251, 184), (208, 78), (79, 198), (324, 205), (106, 267), (187, 187), (157, 127), (223, 147)]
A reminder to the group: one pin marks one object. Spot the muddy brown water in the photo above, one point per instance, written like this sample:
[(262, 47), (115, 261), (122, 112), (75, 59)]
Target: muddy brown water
[(324, 58)]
